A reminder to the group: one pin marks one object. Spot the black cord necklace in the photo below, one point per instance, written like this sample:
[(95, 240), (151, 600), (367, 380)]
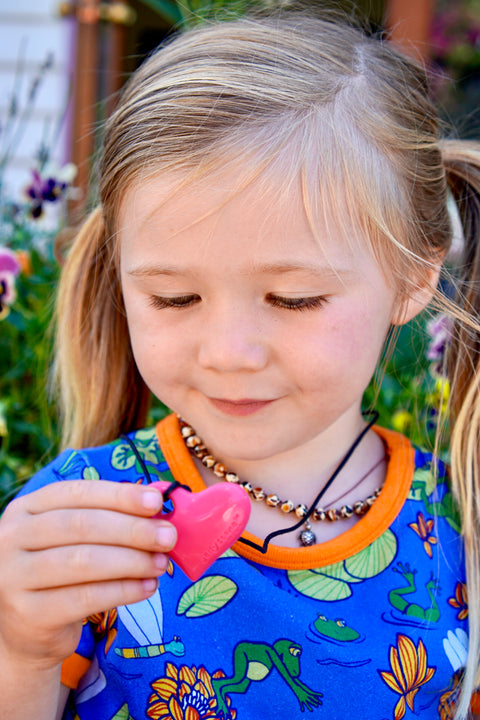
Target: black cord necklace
[(264, 547)]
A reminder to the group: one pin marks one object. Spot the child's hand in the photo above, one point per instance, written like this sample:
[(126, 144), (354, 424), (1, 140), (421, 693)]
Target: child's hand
[(72, 549)]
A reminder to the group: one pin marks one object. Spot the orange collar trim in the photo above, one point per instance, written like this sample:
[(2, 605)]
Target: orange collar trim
[(400, 470)]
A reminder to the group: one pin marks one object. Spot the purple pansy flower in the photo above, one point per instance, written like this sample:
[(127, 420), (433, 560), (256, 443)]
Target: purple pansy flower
[(49, 187), (9, 269), (440, 330)]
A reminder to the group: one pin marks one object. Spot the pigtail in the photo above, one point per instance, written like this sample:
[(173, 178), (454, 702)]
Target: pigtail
[(99, 389), (462, 164)]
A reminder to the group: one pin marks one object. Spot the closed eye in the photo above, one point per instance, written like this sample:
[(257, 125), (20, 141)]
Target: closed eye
[(297, 303), (181, 301)]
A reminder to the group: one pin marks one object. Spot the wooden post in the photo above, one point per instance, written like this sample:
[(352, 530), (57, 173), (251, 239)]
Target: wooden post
[(115, 74), (408, 23), (85, 94)]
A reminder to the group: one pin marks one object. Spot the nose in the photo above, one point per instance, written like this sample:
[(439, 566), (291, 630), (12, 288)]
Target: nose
[(232, 342)]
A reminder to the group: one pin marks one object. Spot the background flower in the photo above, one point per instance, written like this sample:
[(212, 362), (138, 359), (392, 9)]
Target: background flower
[(9, 269)]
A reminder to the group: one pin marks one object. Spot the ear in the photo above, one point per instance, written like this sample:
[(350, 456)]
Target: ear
[(417, 299)]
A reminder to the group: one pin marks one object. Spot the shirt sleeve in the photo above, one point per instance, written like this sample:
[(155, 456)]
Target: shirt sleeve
[(69, 465), (75, 666)]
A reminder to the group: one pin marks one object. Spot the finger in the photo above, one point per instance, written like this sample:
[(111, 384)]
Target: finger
[(65, 527), (123, 497), (80, 564), (62, 606)]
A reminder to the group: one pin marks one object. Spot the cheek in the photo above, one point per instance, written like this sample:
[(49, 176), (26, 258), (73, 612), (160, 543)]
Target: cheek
[(346, 347), (155, 350)]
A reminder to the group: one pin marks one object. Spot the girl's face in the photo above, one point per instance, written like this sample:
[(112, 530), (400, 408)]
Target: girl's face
[(260, 335)]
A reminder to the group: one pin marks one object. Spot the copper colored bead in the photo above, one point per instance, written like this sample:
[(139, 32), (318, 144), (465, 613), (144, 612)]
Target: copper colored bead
[(248, 486), (369, 501), (231, 477), (272, 500), (208, 461), (192, 441), (258, 493), (319, 514), (359, 508), (187, 431), (346, 511), (301, 511), (287, 506), (332, 515), (200, 451), (219, 469)]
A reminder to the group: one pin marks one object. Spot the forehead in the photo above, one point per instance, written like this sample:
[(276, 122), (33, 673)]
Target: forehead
[(261, 217)]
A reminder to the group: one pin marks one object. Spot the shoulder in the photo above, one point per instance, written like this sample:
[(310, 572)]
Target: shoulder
[(135, 457)]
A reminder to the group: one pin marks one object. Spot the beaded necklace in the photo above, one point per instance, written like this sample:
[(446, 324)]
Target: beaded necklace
[(307, 537)]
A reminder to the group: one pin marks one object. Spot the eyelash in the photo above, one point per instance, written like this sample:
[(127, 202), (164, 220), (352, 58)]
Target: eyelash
[(299, 304), (302, 303), (174, 302)]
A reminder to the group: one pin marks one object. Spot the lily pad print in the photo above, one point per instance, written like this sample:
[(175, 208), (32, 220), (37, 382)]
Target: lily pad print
[(334, 581), (122, 714), (206, 596), (146, 444)]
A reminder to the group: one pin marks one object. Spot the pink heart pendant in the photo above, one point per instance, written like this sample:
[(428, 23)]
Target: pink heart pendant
[(208, 523)]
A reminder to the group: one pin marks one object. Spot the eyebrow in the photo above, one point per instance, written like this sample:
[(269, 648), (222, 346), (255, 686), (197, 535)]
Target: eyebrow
[(324, 271)]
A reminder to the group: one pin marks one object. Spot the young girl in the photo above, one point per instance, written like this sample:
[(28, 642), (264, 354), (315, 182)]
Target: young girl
[(273, 201)]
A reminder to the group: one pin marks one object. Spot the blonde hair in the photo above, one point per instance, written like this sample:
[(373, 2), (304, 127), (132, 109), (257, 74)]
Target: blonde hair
[(350, 116)]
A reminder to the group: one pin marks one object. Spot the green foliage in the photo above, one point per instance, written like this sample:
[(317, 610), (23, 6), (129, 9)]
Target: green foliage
[(26, 416), (188, 13), (407, 392)]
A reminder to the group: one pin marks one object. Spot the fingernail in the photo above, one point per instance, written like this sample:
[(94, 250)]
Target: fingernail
[(160, 561), (152, 500), (150, 584), (165, 536)]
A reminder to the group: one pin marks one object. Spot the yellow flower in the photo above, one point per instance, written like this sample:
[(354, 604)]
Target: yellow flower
[(423, 528), (440, 395), (409, 672), (402, 421), (448, 701), (185, 694), (460, 600), (103, 624)]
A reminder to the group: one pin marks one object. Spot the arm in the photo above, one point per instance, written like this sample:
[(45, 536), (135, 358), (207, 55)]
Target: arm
[(67, 551), (43, 701)]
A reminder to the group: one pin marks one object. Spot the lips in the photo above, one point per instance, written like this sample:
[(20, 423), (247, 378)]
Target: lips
[(239, 408)]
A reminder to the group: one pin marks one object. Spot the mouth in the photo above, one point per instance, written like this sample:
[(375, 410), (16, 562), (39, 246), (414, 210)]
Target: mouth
[(239, 408)]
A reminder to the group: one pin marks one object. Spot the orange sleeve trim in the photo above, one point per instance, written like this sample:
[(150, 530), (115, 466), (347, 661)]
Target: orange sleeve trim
[(378, 519), (475, 703), (73, 669)]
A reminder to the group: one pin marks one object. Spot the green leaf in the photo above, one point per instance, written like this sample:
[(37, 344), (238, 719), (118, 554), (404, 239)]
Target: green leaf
[(147, 445), (122, 457), (122, 714), (319, 587), (425, 478), (145, 438), (165, 8), (206, 596), (90, 473), (229, 554), (72, 464), (373, 559), (337, 571)]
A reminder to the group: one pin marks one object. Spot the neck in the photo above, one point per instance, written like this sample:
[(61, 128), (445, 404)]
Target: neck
[(300, 473)]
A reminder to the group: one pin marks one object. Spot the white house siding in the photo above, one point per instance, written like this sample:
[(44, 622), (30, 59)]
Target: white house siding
[(29, 31)]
